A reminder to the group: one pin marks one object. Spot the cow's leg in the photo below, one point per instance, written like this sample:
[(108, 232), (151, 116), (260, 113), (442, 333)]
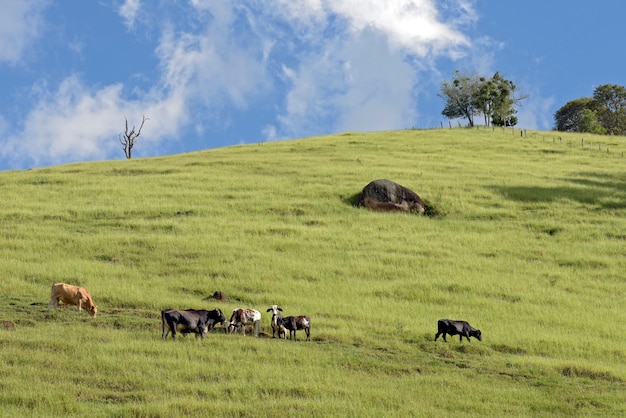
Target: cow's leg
[(53, 302), (308, 333), (444, 337), (203, 331), (437, 335), (173, 328), (257, 326)]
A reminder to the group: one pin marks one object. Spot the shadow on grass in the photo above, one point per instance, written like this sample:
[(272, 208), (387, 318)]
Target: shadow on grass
[(607, 191)]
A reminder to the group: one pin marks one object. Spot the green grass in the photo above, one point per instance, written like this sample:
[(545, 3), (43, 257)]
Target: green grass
[(528, 245)]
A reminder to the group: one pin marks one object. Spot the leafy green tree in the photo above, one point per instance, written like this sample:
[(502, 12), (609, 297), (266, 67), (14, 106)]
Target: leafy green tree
[(589, 123), (469, 95), (503, 104), (610, 106), (605, 112), (509, 120), (569, 116), (460, 95)]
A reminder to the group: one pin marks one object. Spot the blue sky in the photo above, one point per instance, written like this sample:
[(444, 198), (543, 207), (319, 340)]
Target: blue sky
[(213, 73)]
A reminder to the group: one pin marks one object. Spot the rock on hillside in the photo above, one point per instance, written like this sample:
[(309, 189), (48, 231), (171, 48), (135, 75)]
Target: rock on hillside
[(386, 195)]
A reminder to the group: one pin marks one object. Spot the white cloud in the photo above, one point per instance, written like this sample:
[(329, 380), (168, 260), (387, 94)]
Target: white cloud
[(69, 122), (78, 123), (360, 85), (535, 112), (128, 11), (213, 67), (363, 78), (412, 25), (21, 24), (379, 90), (337, 65)]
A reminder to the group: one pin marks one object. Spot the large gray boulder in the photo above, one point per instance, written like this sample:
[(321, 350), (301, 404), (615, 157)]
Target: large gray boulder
[(386, 195)]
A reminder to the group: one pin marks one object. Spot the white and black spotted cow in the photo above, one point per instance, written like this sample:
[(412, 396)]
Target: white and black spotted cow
[(242, 317), (276, 319)]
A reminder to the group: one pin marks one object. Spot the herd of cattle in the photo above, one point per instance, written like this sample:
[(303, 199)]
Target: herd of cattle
[(201, 321)]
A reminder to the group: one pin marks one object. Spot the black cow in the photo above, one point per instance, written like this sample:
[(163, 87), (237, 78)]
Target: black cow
[(462, 328), (188, 321), (293, 323)]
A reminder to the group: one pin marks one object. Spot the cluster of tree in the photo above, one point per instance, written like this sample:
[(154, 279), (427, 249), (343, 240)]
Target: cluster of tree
[(604, 113), (468, 96)]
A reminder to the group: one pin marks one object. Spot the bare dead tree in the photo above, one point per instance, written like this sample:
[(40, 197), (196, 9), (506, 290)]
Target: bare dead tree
[(128, 139)]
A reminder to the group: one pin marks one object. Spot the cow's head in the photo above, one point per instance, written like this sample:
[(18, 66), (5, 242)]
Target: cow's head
[(220, 316), (476, 334), (92, 309), (274, 309)]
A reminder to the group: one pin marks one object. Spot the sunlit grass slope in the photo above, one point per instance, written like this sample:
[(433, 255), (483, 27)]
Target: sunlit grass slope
[(529, 247)]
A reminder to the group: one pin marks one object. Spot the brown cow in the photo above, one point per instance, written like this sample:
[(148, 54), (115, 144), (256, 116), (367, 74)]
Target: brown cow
[(72, 295)]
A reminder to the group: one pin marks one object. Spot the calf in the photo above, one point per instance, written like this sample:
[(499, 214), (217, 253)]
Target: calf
[(274, 323), (188, 321), (293, 323), (72, 295), (462, 328), (242, 317)]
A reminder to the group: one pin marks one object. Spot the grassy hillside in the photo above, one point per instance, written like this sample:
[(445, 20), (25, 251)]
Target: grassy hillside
[(529, 247)]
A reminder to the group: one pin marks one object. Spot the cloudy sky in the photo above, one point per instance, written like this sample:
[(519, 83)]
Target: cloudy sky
[(213, 73)]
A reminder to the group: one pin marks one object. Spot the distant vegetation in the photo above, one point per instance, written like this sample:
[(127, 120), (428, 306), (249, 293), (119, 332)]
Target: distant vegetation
[(470, 96), (604, 113), (530, 250)]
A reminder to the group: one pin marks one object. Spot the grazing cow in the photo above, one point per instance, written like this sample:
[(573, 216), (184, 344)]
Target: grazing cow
[(462, 328), (72, 295), (276, 318), (188, 321), (242, 317), (293, 323)]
